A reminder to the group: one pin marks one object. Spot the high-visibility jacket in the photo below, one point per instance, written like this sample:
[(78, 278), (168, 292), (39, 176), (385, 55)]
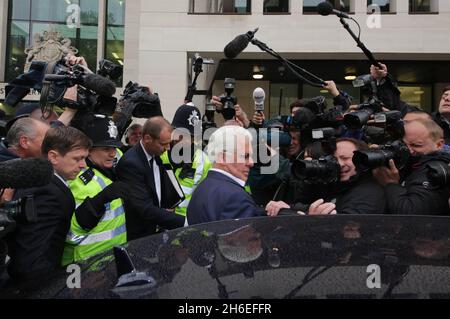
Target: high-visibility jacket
[(109, 232), (190, 176)]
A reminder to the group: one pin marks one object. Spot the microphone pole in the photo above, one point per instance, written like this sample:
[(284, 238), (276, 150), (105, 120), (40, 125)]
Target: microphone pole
[(192, 90), (361, 45), (290, 65)]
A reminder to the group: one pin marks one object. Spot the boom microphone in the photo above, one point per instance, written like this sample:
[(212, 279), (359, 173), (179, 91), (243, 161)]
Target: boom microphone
[(25, 173), (99, 84), (325, 8), (94, 82), (239, 44)]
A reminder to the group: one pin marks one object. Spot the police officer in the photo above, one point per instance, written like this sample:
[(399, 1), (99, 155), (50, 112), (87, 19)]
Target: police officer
[(191, 164), (99, 220)]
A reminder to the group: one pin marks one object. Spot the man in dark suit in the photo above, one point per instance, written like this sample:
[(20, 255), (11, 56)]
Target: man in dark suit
[(36, 248), (222, 195), (154, 191)]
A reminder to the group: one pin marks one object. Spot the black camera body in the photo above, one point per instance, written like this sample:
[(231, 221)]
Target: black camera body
[(94, 93), (110, 70), (208, 118), (136, 101), (359, 118), (324, 171), (368, 160), (20, 210), (386, 127), (228, 100)]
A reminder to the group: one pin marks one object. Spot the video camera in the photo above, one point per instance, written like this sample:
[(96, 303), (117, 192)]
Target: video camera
[(208, 118), (368, 160), (94, 94), (228, 100), (386, 127), (110, 70), (136, 101), (19, 210), (324, 171), (359, 118)]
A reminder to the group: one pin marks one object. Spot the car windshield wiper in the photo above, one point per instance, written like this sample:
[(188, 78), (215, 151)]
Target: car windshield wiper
[(311, 275), (395, 284)]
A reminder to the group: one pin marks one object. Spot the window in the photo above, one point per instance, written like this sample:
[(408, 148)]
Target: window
[(310, 92), (310, 6), (384, 5), (220, 6), (115, 31), (419, 95), (28, 17), (423, 6), (282, 95), (276, 6)]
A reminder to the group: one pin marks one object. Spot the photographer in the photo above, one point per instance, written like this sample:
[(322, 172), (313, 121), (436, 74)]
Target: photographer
[(388, 92), (411, 192), (133, 136), (36, 249), (356, 192), (24, 140), (240, 116), (442, 117)]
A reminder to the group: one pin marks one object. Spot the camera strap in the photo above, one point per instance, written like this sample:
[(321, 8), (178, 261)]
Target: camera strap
[(49, 69)]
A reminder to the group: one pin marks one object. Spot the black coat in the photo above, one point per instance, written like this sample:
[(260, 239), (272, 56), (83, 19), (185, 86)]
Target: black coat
[(362, 196), (439, 119), (36, 249), (417, 195), (5, 153), (142, 210)]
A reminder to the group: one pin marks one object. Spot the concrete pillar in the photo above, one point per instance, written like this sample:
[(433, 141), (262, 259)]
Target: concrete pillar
[(3, 37), (132, 38), (101, 35)]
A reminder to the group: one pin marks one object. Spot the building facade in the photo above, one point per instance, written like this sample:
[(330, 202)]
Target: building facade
[(156, 41)]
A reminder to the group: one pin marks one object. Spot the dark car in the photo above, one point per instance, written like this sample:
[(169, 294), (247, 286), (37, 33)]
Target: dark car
[(283, 257)]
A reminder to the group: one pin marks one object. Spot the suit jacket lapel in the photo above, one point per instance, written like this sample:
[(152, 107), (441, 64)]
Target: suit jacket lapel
[(63, 187), (148, 170)]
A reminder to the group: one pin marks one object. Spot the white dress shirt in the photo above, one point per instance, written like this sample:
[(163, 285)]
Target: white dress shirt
[(234, 178), (156, 172), (62, 179)]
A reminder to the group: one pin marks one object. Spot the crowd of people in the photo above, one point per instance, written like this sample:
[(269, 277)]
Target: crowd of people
[(104, 193)]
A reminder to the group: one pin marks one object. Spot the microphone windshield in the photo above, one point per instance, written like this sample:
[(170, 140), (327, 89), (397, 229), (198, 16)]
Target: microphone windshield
[(325, 8), (236, 46), (25, 173), (99, 84), (259, 96)]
